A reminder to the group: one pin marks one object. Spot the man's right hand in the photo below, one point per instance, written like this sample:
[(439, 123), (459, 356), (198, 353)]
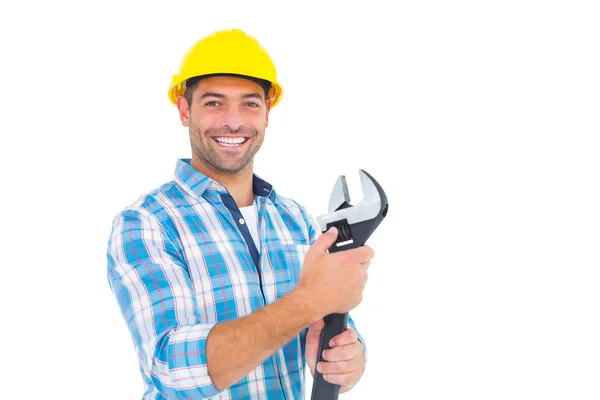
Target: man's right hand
[(334, 282)]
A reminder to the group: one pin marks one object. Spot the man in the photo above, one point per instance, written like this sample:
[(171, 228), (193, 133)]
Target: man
[(222, 282)]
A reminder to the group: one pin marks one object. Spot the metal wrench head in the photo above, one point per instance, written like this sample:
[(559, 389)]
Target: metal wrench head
[(373, 203), (339, 194)]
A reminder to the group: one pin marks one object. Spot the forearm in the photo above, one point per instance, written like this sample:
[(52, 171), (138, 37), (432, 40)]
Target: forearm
[(234, 348)]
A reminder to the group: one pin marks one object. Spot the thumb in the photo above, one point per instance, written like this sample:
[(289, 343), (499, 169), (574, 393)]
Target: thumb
[(325, 241)]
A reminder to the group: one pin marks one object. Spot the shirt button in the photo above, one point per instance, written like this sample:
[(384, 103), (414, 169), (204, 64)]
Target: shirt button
[(242, 221), (219, 188)]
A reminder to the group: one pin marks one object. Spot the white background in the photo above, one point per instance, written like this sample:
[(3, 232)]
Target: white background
[(480, 120)]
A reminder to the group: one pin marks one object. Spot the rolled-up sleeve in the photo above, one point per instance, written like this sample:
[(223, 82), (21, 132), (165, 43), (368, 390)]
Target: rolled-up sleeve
[(152, 286)]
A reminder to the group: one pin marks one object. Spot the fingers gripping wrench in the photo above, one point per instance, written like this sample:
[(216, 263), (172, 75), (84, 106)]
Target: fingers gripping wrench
[(355, 224)]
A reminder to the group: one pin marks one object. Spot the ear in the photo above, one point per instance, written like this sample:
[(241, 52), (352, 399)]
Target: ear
[(184, 111), (268, 104)]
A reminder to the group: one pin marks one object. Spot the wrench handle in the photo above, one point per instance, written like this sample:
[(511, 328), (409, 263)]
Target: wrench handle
[(334, 325)]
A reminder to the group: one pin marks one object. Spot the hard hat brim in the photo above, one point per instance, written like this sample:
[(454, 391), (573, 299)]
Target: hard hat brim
[(178, 88)]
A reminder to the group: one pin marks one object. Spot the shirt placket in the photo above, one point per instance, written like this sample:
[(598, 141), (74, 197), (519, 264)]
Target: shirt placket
[(235, 215)]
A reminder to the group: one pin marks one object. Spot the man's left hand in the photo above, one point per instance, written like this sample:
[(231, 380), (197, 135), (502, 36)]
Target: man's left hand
[(343, 364)]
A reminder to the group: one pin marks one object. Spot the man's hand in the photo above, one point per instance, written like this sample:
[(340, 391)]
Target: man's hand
[(344, 362), (333, 282)]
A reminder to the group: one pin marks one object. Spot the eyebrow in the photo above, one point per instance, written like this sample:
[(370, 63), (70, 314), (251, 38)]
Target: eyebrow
[(222, 96)]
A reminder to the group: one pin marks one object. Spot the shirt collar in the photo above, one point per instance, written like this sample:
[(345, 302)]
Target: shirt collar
[(197, 183)]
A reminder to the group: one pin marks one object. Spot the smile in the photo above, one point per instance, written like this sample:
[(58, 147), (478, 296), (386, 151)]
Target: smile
[(230, 142)]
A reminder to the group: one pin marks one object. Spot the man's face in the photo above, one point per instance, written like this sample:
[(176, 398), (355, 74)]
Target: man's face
[(224, 111)]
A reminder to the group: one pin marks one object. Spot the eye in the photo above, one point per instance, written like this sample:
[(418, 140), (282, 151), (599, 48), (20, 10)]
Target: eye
[(253, 104), (212, 103)]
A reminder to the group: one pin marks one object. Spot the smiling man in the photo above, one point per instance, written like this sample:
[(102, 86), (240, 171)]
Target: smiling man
[(223, 282), (227, 124)]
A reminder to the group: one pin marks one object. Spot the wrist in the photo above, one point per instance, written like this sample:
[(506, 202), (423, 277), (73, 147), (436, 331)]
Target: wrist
[(305, 301)]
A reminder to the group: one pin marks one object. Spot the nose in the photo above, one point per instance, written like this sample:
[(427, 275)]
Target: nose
[(232, 119)]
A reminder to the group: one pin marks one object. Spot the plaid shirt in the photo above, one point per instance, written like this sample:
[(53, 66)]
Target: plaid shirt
[(181, 259)]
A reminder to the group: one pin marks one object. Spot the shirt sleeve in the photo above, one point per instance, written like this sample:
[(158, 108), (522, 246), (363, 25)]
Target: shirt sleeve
[(314, 231), (151, 283)]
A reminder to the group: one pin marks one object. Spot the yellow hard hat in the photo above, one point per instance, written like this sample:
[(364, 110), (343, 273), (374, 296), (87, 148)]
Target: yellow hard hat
[(230, 52)]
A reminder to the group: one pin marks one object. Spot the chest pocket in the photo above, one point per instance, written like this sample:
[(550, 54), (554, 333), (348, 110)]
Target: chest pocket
[(295, 259), (301, 250)]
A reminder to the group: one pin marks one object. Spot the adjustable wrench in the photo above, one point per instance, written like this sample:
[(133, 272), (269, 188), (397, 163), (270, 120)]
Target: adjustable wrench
[(355, 224)]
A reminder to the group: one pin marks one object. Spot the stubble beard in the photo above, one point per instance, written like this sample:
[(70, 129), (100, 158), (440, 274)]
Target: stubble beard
[(203, 146)]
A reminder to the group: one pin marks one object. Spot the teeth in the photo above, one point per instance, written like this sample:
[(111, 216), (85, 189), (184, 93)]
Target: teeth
[(231, 140)]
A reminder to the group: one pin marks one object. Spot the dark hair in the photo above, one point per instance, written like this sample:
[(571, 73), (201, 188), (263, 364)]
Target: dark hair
[(190, 84)]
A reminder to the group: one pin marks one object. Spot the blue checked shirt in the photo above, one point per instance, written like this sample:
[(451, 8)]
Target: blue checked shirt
[(181, 259)]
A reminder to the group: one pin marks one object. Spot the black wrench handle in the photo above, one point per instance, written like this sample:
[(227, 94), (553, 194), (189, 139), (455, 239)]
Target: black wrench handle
[(334, 325)]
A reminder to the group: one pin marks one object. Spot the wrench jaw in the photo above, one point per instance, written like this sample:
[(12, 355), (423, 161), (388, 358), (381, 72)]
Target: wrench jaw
[(355, 223), (339, 195), (372, 192)]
